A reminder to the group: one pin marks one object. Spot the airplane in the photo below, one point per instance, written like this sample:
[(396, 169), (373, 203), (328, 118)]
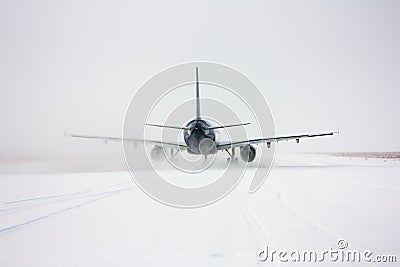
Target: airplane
[(200, 138)]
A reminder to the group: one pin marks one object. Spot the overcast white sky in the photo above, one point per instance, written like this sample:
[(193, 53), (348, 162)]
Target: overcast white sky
[(74, 65)]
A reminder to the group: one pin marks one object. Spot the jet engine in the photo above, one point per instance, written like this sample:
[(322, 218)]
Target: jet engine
[(248, 153)]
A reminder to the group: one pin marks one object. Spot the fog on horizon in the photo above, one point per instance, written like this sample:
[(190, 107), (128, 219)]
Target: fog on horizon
[(75, 65)]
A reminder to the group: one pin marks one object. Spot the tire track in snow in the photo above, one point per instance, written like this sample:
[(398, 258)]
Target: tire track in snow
[(59, 198), (315, 225), (260, 234), (383, 187), (47, 197), (99, 196)]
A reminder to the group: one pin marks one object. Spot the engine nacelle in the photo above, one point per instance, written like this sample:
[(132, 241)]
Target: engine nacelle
[(157, 153), (248, 153)]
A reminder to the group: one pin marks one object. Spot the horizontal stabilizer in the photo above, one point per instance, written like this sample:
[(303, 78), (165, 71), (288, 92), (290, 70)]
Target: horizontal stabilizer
[(227, 126), (167, 126)]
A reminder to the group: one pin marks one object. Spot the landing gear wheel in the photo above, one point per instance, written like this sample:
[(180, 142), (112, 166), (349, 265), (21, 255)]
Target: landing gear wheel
[(231, 160)]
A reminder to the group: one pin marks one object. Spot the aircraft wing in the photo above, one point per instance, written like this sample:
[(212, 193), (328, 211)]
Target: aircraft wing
[(118, 139), (269, 140)]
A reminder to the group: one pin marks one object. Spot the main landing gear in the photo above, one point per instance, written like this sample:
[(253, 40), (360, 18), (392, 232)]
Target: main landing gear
[(174, 153), (232, 158)]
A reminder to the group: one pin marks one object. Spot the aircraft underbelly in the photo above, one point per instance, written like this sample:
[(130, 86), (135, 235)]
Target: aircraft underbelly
[(200, 143)]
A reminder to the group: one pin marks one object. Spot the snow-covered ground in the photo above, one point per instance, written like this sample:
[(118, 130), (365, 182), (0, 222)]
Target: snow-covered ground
[(308, 202)]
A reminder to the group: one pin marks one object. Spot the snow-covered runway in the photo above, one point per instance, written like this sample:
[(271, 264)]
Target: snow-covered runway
[(103, 219)]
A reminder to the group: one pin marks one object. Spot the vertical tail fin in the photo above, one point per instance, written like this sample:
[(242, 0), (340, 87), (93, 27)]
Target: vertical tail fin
[(197, 95)]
